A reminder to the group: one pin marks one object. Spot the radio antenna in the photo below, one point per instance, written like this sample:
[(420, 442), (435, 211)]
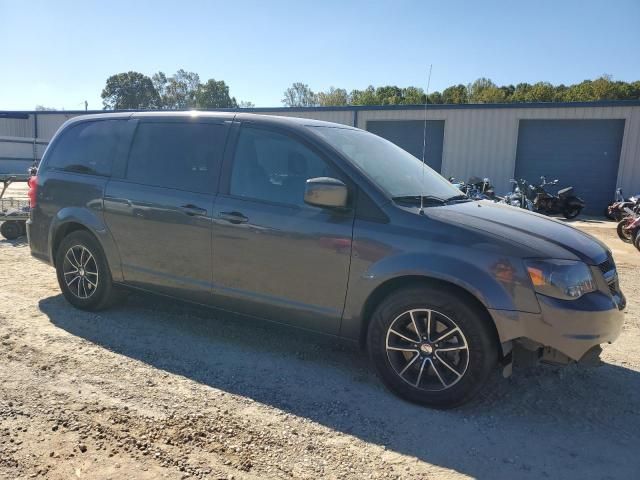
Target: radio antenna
[(424, 139)]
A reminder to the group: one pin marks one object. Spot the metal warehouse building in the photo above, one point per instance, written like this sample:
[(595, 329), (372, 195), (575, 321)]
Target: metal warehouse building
[(592, 146)]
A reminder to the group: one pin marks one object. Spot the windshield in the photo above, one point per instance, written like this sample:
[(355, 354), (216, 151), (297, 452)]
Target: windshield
[(396, 171)]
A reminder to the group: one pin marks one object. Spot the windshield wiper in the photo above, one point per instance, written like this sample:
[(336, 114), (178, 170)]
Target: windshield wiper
[(415, 199), (457, 198)]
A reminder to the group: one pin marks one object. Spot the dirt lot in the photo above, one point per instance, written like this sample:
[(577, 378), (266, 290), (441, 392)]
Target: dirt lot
[(156, 389)]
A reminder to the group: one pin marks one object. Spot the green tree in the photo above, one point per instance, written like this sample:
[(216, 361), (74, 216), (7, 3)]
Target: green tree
[(436, 97), (129, 91), (333, 97), (541, 92), (483, 90), (180, 90), (508, 91), (214, 94), (299, 95), (389, 95), (455, 94), (413, 96), (521, 92), (246, 104), (364, 97)]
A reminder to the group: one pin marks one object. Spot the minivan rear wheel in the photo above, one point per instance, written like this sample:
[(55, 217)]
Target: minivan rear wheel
[(431, 347), (83, 273)]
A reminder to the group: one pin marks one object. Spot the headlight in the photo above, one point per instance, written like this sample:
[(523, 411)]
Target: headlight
[(564, 279)]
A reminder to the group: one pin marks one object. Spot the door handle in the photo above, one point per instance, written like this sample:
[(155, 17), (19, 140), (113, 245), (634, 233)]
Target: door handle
[(193, 210), (233, 217)]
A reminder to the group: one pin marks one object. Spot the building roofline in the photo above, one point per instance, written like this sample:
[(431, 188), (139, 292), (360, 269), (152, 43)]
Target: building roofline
[(350, 108)]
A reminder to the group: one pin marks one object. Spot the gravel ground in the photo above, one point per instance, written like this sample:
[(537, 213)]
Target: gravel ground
[(157, 389)]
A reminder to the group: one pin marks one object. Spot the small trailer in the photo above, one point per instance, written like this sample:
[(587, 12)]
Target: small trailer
[(14, 211)]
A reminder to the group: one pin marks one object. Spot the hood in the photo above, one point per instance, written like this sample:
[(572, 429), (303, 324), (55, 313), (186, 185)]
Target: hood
[(546, 236)]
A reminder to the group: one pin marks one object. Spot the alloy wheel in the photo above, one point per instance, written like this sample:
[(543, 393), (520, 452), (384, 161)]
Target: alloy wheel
[(427, 349), (80, 272)]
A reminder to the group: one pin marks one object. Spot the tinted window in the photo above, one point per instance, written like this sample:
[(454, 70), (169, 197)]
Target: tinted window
[(273, 167), (396, 171), (88, 147), (176, 155)]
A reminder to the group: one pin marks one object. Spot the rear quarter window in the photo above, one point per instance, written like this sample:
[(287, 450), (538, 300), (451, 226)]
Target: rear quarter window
[(87, 147)]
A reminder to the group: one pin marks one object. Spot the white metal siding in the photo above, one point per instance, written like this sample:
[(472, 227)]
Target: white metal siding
[(477, 141), (483, 141), (48, 124), (9, 148), (16, 127)]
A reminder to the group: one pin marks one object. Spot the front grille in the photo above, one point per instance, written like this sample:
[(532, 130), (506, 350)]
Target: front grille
[(608, 265), (608, 269)]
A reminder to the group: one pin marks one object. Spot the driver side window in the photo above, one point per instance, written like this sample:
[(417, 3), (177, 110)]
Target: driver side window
[(273, 167)]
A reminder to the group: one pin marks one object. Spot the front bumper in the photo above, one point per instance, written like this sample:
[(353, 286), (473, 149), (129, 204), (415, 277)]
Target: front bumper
[(572, 327)]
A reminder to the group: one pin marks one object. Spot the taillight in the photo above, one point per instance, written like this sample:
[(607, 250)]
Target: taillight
[(33, 190)]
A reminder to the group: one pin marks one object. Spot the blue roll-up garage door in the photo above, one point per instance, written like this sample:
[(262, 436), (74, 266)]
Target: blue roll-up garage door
[(409, 134), (582, 153)]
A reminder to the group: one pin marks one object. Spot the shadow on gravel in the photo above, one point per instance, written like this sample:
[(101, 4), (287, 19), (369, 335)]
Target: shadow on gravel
[(18, 242), (546, 422)]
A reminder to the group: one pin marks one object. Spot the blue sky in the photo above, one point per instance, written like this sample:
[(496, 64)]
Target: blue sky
[(59, 53)]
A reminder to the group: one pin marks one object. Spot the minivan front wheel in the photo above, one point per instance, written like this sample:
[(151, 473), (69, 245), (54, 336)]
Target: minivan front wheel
[(431, 347), (83, 273)]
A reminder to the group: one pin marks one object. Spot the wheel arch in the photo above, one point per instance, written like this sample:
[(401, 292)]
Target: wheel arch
[(71, 220), (398, 283)]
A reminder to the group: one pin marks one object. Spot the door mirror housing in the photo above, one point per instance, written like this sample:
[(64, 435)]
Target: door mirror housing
[(326, 192)]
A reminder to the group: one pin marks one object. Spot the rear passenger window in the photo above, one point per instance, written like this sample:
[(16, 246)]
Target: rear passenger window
[(88, 147), (176, 155)]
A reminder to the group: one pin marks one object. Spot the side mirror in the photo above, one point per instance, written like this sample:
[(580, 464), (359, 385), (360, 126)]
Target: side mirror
[(326, 192)]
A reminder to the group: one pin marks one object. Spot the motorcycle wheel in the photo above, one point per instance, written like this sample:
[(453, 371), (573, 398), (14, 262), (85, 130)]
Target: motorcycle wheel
[(637, 240), (624, 234), (571, 212)]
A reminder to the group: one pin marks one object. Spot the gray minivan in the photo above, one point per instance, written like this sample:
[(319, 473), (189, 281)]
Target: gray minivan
[(324, 227)]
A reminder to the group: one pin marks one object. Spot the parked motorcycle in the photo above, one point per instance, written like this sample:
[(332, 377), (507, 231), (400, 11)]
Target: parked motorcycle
[(476, 188), (518, 196), (480, 189), (564, 202), (616, 209), (629, 227)]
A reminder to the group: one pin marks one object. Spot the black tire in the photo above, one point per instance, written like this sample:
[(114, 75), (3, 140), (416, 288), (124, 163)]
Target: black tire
[(623, 234), (636, 242), (571, 211), (481, 355), (23, 227), (98, 297), (11, 229)]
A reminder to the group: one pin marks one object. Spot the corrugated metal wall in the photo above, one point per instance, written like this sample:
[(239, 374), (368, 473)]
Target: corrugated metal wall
[(477, 140), (483, 141)]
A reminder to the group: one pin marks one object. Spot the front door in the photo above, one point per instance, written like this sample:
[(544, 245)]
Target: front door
[(277, 257), (159, 213)]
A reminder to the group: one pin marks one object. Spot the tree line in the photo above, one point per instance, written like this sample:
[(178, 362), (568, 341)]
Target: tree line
[(183, 90), (483, 90)]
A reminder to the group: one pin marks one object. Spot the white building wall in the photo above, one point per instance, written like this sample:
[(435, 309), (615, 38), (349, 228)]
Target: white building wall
[(483, 141), (49, 123), (477, 141)]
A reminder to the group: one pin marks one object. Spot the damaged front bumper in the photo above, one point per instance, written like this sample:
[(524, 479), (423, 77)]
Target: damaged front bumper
[(564, 331)]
